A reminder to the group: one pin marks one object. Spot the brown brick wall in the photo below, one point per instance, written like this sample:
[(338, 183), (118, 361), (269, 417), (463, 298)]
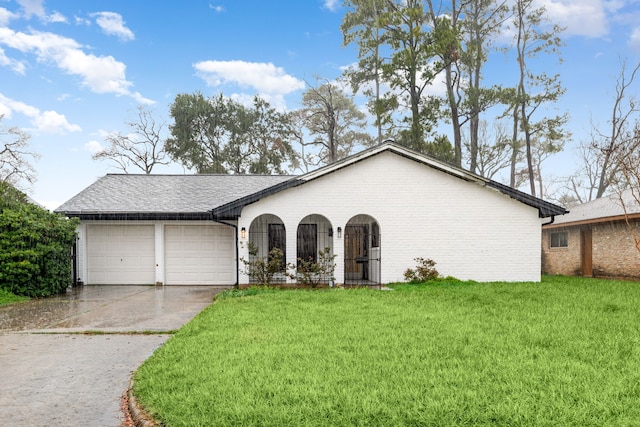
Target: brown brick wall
[(614, 252), (565, 261)]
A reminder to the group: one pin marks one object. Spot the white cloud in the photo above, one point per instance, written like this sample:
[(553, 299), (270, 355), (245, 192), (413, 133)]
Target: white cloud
[(8, 105), (5, 111), (332, 5), (269, 81), (46, 122), (244, 99), (217, 8), (53, 122), (36, 8), (93, 147), (265, 78), (580, 17), (101, 74), (6, 16), (16, 66), (57, 17), (81, 21), (32, 8), (112, 24), (634, 40)]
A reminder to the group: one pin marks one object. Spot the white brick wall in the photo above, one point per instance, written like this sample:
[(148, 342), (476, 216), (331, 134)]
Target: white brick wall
[(472, 232)]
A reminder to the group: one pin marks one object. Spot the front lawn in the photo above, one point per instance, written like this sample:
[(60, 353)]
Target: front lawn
[(7, 297), (562, 352)]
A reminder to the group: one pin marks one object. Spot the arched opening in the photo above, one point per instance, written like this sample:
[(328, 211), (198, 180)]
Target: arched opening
[(266, 233), (362, 251), (315, 247)]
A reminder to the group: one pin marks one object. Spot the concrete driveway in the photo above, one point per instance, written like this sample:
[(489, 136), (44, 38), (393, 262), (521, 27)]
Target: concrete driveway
[(54, 376)]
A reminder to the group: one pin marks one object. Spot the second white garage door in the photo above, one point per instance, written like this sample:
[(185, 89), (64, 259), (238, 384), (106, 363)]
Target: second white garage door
[(199, 255)]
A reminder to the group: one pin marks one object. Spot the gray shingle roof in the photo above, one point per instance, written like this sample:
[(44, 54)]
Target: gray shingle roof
[(604, 207), (119, 193), (118, 196)]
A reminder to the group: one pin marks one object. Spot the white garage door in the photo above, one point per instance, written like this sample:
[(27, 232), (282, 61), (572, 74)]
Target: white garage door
[(199, 255), (120, 254)]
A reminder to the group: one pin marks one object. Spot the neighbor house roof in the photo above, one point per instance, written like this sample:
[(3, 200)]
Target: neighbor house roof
[(129, 196), (607, 208), (233, 209)]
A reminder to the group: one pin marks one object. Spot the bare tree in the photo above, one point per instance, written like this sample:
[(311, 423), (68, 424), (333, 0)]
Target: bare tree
[(598, 171), (627, 162), (541, 149), (15, 156), (490, 157), (609, 145), (582, 185), (142, 147)]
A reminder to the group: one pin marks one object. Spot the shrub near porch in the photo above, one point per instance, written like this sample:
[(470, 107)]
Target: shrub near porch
[(562, 352)]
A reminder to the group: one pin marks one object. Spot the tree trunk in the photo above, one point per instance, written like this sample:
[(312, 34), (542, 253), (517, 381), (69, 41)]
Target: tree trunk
[(514, 148), (455, 119)]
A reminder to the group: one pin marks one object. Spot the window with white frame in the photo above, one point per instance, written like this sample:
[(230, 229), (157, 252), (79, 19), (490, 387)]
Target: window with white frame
[(559, 239)]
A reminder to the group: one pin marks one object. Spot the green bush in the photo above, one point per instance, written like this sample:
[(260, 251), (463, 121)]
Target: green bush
[(425, 271), (311, 273), (35, 246), (262, 270)]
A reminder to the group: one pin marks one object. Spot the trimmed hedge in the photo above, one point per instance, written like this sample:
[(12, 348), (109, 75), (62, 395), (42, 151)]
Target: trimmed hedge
[(35, 246)]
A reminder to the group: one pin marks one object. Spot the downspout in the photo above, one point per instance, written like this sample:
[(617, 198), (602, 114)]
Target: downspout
[(235, 229), (553, 218)]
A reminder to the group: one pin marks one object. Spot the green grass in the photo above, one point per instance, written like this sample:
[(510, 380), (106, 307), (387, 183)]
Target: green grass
[(562, 352), (7, 297)]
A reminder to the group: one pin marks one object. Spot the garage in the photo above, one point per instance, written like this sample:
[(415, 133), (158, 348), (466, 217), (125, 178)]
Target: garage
[(120, 254), (199, 255)]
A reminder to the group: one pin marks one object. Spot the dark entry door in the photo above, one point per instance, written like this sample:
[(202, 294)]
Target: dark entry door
[(356, 248), (586, 252)]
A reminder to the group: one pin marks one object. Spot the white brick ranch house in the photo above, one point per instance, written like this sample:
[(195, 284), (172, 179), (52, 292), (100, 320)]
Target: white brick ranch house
[(376, 211)]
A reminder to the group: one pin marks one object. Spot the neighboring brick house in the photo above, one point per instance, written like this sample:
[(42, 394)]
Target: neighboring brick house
[(376, 211), (594, 240)]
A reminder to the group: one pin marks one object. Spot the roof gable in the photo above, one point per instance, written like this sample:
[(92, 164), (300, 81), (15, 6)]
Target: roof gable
[(233, 209)]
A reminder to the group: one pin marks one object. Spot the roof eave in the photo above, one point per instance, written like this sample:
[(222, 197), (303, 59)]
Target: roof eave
[(137, 216), (545, 209), (591, 221)]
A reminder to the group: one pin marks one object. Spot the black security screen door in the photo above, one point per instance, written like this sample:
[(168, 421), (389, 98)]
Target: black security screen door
[(278, 239), (308, 242), (362, 253)]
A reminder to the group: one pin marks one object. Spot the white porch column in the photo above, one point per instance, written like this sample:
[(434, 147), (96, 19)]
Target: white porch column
[(159, 245), (292, 245), (338, 250), (243, 252)]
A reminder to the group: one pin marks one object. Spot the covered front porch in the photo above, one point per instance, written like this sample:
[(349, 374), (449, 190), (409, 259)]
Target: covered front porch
[(354, 248)]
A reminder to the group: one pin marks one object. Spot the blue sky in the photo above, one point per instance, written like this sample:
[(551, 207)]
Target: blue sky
[(74, 71)]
